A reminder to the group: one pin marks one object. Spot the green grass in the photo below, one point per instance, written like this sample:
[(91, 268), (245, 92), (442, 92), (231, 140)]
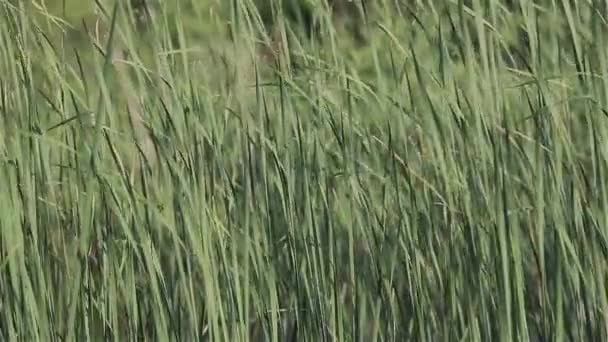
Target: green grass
[(441, 180)]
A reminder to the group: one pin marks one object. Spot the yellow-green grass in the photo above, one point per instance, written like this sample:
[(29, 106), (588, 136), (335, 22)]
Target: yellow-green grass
[(444, 179)]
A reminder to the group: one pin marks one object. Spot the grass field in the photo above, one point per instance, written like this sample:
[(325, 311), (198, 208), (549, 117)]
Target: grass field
[(222, 171)]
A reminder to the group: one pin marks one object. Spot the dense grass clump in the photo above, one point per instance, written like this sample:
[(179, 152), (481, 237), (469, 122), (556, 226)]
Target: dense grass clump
[(303, 170)]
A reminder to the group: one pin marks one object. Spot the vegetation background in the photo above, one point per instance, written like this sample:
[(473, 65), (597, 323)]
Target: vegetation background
[(315, 170)]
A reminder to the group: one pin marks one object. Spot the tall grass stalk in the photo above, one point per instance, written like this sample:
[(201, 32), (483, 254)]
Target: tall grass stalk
[(224, 172)]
